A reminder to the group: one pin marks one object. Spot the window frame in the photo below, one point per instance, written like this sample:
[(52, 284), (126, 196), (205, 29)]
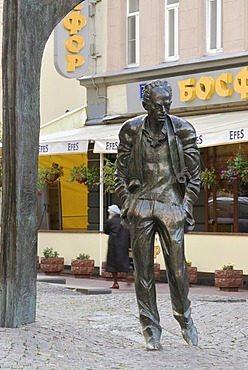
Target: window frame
[(219, 27), (137, 39), (168, 9)]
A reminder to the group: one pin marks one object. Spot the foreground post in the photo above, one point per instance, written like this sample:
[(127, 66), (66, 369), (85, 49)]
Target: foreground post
[(27, 24)]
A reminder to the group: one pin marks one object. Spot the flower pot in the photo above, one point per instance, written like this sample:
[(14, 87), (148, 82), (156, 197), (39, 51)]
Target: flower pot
[(79, 178), (228, 280), (192, 271), (157, 271), (51, 177), (52, 265), (108, 275), (105, 274), (82, 268)]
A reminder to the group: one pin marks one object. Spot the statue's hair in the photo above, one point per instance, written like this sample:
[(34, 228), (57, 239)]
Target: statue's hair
[(164, 85)]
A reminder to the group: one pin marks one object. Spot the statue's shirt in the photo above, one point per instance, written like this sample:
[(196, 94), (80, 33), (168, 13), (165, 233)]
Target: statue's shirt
[(159, 181)]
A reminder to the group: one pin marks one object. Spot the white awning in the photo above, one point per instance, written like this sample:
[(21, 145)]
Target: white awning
[(58, 136), (220, 128), (212, 130), (76, 141)]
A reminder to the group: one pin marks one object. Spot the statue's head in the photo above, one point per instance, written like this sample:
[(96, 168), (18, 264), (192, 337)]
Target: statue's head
[(157, 97)]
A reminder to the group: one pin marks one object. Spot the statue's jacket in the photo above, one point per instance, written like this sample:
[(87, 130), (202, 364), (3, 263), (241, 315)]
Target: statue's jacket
[(184, 155)]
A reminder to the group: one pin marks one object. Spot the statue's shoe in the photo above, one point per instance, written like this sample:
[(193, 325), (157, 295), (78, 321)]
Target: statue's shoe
[(152, 345), (190, 335)]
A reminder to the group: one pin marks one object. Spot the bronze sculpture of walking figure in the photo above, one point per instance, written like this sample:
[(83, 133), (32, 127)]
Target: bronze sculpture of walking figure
[(158, 182)]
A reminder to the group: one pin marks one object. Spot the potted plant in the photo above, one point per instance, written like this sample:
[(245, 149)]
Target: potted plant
[(108, 175), (82, 266), (51, 263), (49, 174), (85, 175), (237, 169), (192, 271), (41, 179), (228, 279), (208, 178), (54, 172)]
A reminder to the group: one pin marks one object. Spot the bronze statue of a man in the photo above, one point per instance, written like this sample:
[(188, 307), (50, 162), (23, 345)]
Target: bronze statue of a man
[(158, 182)]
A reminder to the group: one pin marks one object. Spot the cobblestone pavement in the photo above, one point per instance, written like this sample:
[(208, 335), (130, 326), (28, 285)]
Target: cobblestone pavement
[(102, 332)]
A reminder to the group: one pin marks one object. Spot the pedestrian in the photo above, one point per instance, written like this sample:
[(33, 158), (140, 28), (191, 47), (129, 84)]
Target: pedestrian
[(118, 245), (158, 182)]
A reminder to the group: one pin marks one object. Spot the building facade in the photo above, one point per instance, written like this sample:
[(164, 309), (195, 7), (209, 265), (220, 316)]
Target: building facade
[(201, 48)]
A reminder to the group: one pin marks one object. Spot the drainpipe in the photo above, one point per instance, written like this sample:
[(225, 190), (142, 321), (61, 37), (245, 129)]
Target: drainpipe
[(100, 214)]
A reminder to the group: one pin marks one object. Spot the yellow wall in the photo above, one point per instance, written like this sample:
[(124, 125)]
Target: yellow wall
[(74, 199), (210, 252), (70, 244)]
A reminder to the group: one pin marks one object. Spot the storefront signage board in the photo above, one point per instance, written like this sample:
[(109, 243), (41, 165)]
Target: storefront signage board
[(71, 43), (201, 89)]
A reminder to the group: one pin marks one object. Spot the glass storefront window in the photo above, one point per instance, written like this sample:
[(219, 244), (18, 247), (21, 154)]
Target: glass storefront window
[(226, 205)]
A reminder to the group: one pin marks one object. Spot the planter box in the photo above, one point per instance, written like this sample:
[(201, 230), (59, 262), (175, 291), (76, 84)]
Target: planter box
[(229, 280), (106, 274), (82, 268), (157, 271), (192, 271), (52, 265)]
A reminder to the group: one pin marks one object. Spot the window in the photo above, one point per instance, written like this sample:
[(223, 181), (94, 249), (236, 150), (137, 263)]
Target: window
[(171, 29), (132, 32), (224, 207), (214, 26)]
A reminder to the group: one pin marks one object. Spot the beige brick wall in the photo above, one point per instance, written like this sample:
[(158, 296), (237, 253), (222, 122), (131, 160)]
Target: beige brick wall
[(235, 26), (151, 32), (192, 31), (116, 48)]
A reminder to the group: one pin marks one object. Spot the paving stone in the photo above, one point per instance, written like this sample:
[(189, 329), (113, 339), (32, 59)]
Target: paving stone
[(99, 332)]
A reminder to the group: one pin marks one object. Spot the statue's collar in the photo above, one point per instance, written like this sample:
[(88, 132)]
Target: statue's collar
[(153, 139)]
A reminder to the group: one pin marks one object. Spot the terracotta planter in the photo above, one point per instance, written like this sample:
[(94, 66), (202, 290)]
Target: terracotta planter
[(105, 274), (108, 275), (51, 177), (157, 271), (79, 179), (229, 280), (192, 274), (52, 265), (82, 268)]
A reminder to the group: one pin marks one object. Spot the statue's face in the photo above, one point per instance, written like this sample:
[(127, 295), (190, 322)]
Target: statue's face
[(159, 105)]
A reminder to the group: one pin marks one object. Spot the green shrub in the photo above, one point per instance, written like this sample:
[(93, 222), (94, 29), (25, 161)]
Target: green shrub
[(50, 253), (83, 256)]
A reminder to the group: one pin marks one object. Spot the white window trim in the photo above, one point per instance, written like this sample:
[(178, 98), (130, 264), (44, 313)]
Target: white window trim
[(137, 34), (219, 47), (176, 30)]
